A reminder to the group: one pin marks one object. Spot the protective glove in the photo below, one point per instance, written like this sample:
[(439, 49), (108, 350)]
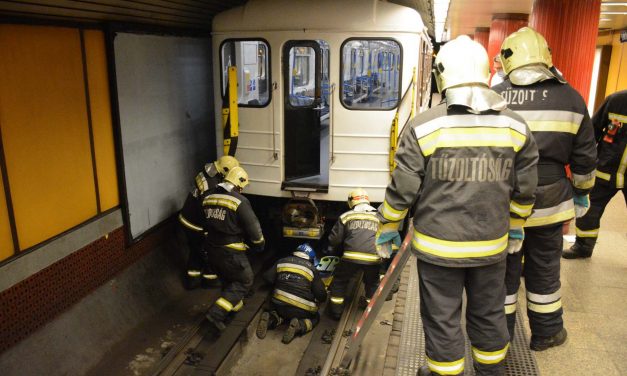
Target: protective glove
[(582, 204), (515, 240), (387, 240)]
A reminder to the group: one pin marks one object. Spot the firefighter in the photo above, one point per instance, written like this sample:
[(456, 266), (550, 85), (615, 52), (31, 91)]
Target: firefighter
[(559, 121), (229, 220), (609, 129), (467, 170), (199, 272), (298, 289), (355, 232)]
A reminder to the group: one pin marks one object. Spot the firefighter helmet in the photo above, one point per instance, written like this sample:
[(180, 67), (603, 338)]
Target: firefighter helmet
[(358, 196), (524, 47), (225, 163), (461, 62), (305, 251), (238, 177)]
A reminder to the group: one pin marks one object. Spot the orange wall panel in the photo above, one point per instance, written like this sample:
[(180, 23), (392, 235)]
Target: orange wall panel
[(101, 118), (6, 241), (45, 130)]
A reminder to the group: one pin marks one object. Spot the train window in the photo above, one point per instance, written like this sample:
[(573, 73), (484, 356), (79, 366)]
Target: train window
[(251, 58), (370, 71)]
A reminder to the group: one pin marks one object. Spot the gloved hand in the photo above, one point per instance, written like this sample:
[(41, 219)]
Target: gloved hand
[(386, 242), (582, 204), (515, 240)]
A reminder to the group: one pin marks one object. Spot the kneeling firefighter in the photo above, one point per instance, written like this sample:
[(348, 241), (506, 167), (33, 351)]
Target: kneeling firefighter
[(355, 230), (229, 219), (191, 217), (298, 289)]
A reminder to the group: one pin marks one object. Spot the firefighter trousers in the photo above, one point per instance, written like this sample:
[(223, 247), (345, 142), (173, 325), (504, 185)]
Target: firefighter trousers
[(198, 266), (236, 275), (542, 251), (441, 291), (281, 312), (588, 225), (342, 275)]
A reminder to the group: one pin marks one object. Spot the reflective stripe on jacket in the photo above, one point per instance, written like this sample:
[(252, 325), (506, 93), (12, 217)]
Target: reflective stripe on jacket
[(559, 121), (356, 231), (468, 174)]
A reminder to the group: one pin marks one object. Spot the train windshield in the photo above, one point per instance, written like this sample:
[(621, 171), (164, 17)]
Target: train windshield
[(306, 115), (370, 74), (251, 59)]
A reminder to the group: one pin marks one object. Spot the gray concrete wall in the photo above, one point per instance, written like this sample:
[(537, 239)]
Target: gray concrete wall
[(77, 339)]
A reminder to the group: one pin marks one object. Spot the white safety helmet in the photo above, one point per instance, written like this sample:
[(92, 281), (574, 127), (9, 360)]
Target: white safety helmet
[(524, 47), (461, 62), (358, 196)]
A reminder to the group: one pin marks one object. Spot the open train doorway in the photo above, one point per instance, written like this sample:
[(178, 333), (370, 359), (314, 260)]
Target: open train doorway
[(305, 66)]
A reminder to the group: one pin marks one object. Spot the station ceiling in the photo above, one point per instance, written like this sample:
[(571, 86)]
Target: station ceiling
[(463, 15), (466, 15)]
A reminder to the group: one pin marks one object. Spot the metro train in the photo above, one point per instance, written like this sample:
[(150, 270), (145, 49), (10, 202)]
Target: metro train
[(324, 89)]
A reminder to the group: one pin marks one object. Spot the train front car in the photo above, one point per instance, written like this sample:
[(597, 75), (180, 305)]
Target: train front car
[(319, 84)]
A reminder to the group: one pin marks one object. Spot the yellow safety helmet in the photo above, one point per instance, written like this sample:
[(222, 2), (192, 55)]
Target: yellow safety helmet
[(225, 163), (523, 47), (358, 196), (461, 62), (238, 177)]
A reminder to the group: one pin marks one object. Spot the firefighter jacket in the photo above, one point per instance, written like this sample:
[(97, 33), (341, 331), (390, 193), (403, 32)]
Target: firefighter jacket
[(296, 282), (469, 178), (229, 220), (355, 230), (609, 128), (191, 215), (559, 121)]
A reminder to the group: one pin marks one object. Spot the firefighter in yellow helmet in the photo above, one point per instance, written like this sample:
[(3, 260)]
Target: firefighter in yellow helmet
[(232, 228), (199, 271), (559, 121), (355, 232), (468, 170)]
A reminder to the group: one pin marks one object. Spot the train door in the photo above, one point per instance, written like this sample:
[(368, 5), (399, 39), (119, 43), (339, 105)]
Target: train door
[(306, 112)]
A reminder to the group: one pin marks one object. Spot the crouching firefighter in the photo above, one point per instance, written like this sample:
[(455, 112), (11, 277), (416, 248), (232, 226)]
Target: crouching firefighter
[(191, 217), (355, 231), (229, 219), (297, 290)]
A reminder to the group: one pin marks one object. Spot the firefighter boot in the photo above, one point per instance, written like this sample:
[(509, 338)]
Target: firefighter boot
[(424, 371), (268, 320), (215, 325), (539, 343), (292, 330), (576, 251)]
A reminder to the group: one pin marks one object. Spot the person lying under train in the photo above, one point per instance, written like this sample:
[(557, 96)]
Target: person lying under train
[(199, 269), (355, 231), (298, 288), (229, 220)]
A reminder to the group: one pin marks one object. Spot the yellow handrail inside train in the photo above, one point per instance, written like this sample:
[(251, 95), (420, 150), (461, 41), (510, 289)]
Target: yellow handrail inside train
[(394, 127), (230, 116)]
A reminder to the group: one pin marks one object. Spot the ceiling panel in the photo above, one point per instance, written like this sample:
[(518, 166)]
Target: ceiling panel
[(466, 15)]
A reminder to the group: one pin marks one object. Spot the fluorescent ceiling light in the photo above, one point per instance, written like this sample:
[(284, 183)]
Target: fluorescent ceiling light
[(605, 19), (614, 4)]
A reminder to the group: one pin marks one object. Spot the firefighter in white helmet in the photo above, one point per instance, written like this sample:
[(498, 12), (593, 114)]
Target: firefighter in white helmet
[(199, 271), (230, 223), (468, 168), (354, 232), (559, 121)]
